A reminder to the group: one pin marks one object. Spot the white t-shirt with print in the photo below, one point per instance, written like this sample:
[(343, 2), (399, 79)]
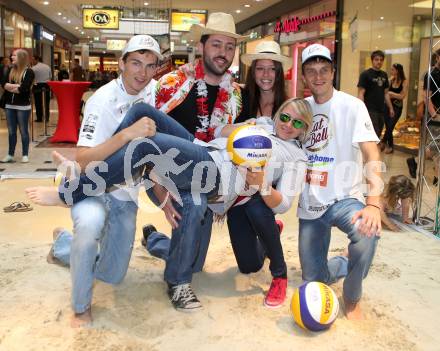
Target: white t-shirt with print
[(106, 108), (334, 159), (104, 112)]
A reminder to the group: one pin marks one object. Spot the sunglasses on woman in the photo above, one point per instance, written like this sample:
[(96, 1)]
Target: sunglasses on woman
[(296, 123)]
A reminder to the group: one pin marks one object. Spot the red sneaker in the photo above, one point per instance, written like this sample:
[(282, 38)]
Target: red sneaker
[(280, 225), (276, 294)]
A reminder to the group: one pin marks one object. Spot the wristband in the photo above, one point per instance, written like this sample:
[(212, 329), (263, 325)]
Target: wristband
[(373, 206)]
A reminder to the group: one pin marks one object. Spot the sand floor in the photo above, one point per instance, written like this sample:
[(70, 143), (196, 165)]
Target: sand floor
[(401, 295)]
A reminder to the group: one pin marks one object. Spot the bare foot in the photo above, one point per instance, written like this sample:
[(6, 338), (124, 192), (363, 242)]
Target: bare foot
[(44, 196), (57, 158), (79, 320), (353, 311), (65, 168)]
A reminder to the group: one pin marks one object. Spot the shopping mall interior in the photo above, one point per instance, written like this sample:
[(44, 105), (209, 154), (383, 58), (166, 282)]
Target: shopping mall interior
[(136, 314)]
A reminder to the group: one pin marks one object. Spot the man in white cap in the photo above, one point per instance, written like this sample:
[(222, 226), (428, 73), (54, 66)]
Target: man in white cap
[(204, 103), (342, 135), (107, 221)]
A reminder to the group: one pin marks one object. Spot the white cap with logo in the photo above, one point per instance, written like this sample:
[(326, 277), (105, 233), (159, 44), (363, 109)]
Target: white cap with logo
[(142, 42), (316, 50)]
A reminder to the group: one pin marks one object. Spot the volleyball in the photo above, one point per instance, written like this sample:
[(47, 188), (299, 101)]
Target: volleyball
[(249, 145), (58, 178), (314, 306)]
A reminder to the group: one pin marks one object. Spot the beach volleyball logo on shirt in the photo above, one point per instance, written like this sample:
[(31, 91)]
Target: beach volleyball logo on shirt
[(319, 137)]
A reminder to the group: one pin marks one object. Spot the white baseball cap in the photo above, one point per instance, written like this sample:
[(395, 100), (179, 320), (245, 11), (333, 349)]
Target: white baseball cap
[(142, 42), (316, 50)]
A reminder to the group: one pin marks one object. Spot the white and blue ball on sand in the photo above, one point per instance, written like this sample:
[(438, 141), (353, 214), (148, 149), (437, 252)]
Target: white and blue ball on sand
[(249, 146), (314, 306)]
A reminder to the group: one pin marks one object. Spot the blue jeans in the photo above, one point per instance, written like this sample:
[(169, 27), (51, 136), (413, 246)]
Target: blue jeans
[(21, 119), (314, 240), (170, 135), (102, 222), (186, 251), (255, 235)]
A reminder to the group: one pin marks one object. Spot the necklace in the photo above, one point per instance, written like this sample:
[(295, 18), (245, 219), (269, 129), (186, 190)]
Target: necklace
[(208, 123)]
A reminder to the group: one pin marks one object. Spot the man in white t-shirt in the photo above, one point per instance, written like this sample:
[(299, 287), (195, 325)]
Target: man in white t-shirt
[(342, 137), (107, 221)]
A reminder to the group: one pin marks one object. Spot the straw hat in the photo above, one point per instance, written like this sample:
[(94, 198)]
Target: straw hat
[(267, 50), (218, 23)]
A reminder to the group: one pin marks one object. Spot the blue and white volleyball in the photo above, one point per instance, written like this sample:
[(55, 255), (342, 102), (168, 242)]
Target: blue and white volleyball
[(249, 146), (314, 306)]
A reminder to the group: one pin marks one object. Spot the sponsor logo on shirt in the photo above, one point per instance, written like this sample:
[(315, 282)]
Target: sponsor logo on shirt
[(317, 160), (319, 137), (89, 125), (314, 177)]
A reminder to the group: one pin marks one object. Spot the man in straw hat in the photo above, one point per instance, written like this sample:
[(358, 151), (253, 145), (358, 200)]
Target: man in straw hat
[(106, 221), (203, 102), (342, 135)]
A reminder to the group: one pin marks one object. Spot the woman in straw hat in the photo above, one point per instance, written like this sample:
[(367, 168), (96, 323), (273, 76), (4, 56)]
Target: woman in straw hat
[(253, 230), (265, 87)]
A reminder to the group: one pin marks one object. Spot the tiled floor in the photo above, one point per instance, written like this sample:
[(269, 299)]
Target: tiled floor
[(39, 158)]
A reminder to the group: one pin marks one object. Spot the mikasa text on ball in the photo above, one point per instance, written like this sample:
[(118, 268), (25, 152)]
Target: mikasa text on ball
[(314, 306), (250, 146)]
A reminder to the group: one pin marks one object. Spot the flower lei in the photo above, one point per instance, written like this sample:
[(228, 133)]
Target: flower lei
[(208, 125)]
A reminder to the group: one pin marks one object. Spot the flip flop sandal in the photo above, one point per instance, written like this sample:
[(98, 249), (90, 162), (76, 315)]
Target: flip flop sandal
[(17, 207)]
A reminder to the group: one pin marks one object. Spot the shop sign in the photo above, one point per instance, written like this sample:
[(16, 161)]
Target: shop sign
[(100, 19), (116, 44), (182, 21), (46, 35), (292, 25)]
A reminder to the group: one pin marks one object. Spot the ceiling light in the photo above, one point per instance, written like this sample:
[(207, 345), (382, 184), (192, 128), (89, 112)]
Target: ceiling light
[(379, 37), (69, 21), (247, 5), (146, 3), (64, 18), (237, 11), (382, 18), (45, 2), (82, 33), (76, 28), (59, 13)]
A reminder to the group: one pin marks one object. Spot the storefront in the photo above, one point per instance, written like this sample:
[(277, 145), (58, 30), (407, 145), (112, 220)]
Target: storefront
[(401, 30), (61, 54), (18, 33), (44, 44), (296, 30)]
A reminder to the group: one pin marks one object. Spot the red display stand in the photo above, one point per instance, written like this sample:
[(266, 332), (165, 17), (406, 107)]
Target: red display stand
[(68, 96)]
